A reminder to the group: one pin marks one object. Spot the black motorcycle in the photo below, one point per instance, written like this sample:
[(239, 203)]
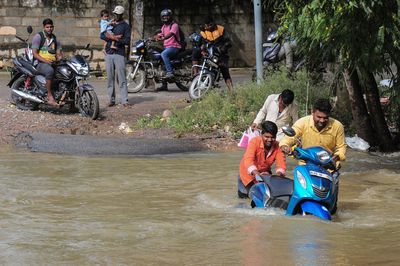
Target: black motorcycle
[(28, 87), (209, 74), (146, 64)]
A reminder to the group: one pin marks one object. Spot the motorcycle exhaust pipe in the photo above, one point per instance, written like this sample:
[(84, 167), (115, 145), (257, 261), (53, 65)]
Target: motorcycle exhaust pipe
[(27, 96)]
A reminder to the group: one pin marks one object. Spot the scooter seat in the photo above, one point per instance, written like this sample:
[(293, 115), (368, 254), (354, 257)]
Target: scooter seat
[(279, 186)]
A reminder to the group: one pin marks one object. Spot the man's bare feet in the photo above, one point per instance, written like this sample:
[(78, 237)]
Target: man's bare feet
[(53, 103)]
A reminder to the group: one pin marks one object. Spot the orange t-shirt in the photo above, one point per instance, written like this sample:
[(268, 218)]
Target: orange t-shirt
[(254, 159)]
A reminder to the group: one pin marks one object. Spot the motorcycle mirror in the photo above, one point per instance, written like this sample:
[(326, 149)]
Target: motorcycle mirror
[(288, 131), (29, 29), (87, 46)]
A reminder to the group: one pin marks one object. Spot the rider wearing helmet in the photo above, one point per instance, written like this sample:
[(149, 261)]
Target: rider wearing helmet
[(197, 42), (171, 41)]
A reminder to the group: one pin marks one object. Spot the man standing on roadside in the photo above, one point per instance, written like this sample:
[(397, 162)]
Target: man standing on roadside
[(115, 58), (280, 109)]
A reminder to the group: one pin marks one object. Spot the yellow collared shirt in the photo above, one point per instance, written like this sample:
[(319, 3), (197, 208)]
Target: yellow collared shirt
[(331, 137)]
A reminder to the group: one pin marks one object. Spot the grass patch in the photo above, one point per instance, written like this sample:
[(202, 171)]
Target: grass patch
[(235, 112)]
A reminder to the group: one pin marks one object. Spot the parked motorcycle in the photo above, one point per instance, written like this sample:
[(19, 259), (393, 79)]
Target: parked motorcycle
[(209, 74), (146, 64), (276, 50), (313, 190), (28, 87)]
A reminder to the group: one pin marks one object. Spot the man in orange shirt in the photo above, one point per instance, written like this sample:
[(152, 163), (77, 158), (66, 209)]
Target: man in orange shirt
[(261, 153)]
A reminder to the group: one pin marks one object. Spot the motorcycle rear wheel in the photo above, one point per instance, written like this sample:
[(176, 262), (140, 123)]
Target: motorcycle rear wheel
[(137, 83), (88, 105), (20, 102), (199, 87)]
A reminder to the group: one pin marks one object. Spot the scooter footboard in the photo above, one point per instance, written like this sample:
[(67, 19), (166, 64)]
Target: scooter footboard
[(316, 209)]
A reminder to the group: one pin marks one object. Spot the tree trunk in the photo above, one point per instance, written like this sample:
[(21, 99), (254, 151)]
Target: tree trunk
[(358, 108), (385, 141)]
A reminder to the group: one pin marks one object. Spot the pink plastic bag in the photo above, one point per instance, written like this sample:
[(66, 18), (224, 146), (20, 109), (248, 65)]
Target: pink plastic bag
[(248, 135)]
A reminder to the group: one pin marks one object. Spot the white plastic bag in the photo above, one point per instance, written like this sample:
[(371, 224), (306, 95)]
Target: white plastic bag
[(357, 143), (248, 135)]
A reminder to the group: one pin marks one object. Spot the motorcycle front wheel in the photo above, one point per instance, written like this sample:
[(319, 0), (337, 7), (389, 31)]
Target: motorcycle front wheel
[(137, 83), (199, 87), (88, 104), (19, 101)]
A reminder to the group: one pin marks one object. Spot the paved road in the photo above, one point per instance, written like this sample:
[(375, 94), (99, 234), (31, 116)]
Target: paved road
[(238, 76)]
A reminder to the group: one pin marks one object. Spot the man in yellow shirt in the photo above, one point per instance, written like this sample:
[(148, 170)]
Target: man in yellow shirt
[(318, 129)]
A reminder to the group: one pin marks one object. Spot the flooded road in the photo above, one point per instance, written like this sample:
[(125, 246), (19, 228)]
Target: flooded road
[(183, 210)]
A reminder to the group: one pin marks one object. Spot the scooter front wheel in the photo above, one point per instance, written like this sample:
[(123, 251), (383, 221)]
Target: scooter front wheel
[(200, 86)]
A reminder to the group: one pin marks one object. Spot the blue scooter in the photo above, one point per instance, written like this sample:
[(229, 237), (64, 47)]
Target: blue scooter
[(313, 190)]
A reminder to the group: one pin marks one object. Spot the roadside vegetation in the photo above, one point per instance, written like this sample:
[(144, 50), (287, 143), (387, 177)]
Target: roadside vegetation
[(233, 113)]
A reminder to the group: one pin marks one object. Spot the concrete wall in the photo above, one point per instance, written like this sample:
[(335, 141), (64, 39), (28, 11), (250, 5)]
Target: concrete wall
[(75, 26), (235, 15), (76, 22)]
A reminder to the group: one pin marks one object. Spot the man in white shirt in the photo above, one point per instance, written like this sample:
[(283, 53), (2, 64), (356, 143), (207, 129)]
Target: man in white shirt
[(280, 109)]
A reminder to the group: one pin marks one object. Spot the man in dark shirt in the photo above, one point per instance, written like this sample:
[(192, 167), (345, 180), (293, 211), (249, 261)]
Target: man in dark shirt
[(115, 58)]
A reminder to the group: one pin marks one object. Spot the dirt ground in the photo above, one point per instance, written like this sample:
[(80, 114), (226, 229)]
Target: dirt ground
[(146, 103)]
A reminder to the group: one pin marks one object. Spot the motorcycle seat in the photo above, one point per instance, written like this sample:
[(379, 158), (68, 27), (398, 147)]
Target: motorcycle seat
[(279, 186), (28, 65)]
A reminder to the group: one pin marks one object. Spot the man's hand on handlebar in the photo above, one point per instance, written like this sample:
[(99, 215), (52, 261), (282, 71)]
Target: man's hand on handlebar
[(286, 149)]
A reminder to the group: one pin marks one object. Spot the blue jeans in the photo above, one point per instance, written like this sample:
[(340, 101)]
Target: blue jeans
[(166, 55)]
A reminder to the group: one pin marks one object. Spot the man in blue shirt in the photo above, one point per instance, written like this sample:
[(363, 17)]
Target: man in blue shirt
[(115, 58)]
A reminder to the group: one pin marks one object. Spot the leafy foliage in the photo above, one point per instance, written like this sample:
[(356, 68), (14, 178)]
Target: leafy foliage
[(357, 32)]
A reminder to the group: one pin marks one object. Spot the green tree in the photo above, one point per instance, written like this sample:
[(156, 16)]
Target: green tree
[(363, 36)]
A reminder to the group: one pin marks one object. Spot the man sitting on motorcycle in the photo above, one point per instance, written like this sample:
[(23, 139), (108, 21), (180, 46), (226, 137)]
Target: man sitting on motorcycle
[(215, 35), (171, 41), (260, 154), (318, 129), (46, 49)]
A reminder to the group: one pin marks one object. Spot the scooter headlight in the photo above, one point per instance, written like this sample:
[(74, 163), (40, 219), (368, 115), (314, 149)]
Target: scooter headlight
[(301, 180), (323, 156)]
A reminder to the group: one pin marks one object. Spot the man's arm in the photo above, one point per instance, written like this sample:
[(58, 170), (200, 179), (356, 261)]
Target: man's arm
[(59, 52), (280, 160), (263, 111), (250, 158), (340, 149), (295, 113), (126, 36), (287, 142)]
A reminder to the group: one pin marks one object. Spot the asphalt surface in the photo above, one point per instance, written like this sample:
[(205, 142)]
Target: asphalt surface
[(89, 145)]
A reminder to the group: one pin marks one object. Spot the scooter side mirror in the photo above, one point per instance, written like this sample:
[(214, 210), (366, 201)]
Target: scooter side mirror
[(87, 46), (288, 131), (29, 29)]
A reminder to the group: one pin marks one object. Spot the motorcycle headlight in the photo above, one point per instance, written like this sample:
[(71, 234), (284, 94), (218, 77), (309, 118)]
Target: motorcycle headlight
[(82, 70), (301, 180), (214, 59)]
